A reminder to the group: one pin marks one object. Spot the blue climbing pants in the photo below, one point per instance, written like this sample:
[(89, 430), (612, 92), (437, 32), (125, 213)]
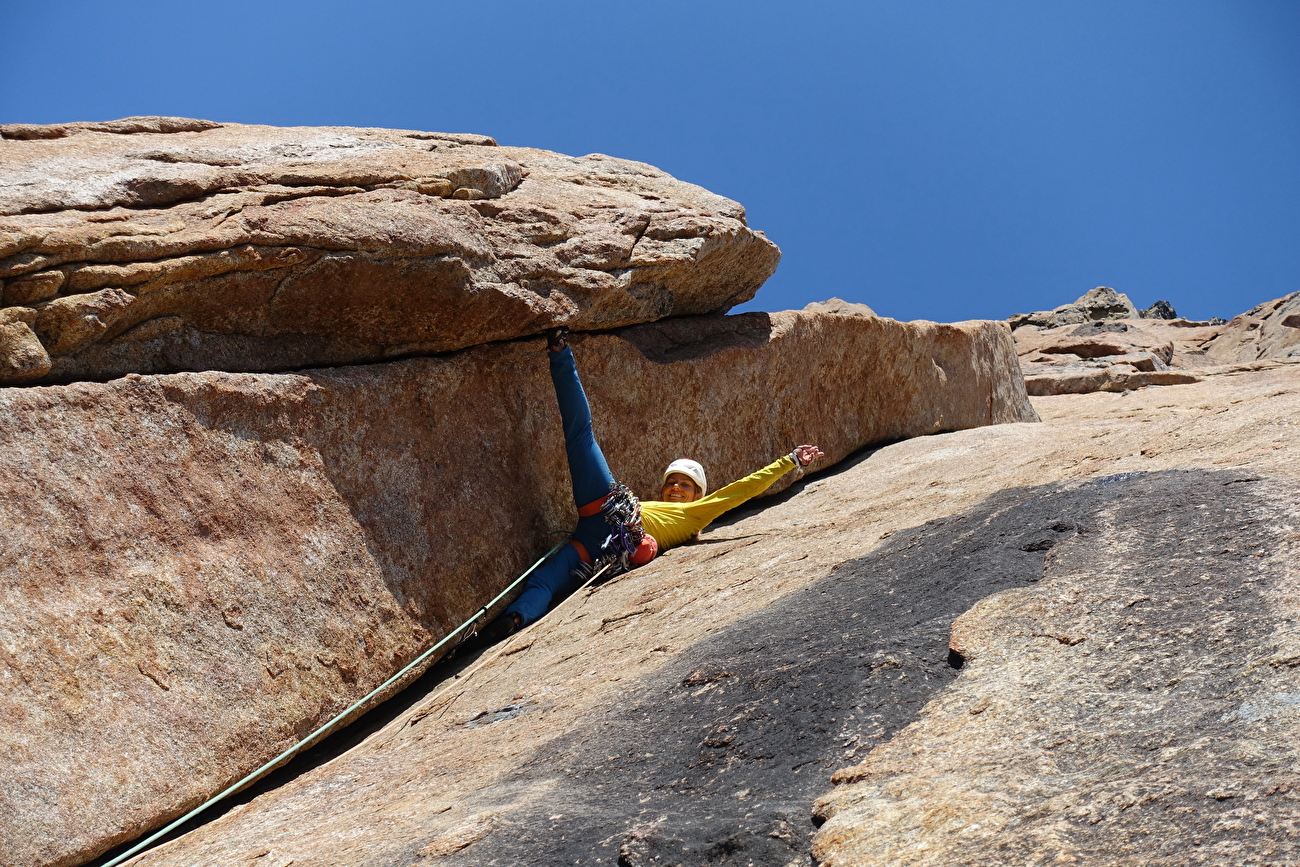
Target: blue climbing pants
[(591, 479)]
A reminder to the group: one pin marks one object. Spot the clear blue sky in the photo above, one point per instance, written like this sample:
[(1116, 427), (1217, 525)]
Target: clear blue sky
[(940, 160)]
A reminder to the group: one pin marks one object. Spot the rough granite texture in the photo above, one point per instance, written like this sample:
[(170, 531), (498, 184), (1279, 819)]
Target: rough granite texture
[(1140, 706), (200, 568), (163, 244), (692, 711), (1269, 330), (1123, 352)]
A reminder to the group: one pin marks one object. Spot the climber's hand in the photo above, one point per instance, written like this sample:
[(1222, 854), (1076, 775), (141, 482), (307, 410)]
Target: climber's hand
[(805, 455)]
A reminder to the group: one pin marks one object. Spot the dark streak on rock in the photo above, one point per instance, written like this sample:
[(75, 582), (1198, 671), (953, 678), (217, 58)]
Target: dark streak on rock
[(815, 681)]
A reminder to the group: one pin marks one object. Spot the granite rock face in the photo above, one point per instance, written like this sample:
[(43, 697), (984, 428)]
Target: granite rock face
[(203, 567), (1098, 305), (1137, 706), (164, 244), (693, 711), (1270, 330), (1119, 352)]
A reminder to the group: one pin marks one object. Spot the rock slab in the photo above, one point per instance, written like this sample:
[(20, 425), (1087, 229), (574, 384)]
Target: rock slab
[(685, 704), (1171, 741), (203, 567), (1268, 330), (164, 244), (1098, 344)]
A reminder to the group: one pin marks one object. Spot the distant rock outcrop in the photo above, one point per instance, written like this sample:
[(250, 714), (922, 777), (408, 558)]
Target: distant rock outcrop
[(200, 568), (1269, 330), (1101, 304), (1159, 310), (840, 306), (149, 245), (1099, 344)]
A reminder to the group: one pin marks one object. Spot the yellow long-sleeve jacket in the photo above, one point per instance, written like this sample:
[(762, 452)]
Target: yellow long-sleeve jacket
[(673, 523)]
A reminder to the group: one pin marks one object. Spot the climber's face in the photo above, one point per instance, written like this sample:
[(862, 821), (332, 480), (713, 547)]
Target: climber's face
[(679, 488)]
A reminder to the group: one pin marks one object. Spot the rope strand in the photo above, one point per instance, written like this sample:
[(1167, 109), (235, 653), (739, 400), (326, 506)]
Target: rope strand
[(316, 735)]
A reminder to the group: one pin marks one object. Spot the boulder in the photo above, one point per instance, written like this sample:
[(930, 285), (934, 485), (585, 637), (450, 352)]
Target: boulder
[(1100, 304), (1159, 310), (256, 248), (201, 568), (1105, 303), (840, 306), (1268, 330)]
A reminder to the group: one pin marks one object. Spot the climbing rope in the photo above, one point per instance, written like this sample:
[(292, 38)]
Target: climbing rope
[(486, 659), (320, 732)]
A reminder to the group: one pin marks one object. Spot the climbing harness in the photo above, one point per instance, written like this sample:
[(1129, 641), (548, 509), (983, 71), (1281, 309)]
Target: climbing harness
[(622, 511), (320, 732)]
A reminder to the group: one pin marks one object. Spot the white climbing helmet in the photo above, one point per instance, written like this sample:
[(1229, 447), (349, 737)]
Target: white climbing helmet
[(691, 468)]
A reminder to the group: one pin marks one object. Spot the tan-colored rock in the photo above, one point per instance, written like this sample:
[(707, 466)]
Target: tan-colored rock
[(678, 711), (75, 320), (1261, 332), (1097, 305), (1138, 706), (32, 288), (22, 357), (1096, 340), (1116, 355), (267, 248), (839, 306), (201, 568), (1074, 355), (1077, 380)]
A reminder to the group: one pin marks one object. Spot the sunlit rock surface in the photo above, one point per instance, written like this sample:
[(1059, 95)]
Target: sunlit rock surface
[(201, 568), (162, 244), (1114, 348), (1128, 659)]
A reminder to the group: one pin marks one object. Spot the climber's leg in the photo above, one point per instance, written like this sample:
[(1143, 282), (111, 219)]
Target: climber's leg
[(588, 470), (591, 479), (550, 582)]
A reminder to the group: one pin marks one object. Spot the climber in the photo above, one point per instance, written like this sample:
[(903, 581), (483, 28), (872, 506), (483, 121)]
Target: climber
[(612, 525)]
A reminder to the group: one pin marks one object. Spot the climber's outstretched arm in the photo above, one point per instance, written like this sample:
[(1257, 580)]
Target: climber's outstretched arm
[(673, 523)]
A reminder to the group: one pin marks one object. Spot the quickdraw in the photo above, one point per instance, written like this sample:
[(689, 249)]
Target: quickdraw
[(622, 511)]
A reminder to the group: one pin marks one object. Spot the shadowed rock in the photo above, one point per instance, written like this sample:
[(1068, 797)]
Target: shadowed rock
[(1159, 310), (1137, 706)]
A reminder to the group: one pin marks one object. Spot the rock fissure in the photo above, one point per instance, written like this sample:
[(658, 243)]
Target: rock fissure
[(300, 506), (1071, 641)]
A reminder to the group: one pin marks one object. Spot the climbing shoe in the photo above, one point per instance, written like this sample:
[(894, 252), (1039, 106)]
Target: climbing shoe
[(503, 627), (557, 339)]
